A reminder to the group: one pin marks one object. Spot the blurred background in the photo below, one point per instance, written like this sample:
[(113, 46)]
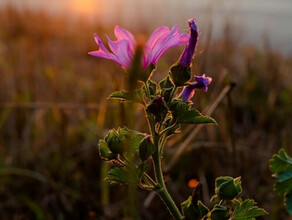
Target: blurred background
[(53, 107)]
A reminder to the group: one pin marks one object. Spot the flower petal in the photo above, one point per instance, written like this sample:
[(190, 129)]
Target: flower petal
[(184, 38), (121, 49), (161, 40), (121, 33), (153, 42), (173, 39), (102, 52), (159, 33), (187, 93), (203, 82), (147, 55), (188, 53)]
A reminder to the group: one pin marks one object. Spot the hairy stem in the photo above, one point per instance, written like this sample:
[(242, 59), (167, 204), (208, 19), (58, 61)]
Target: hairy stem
[(160, 185), (162, 191)]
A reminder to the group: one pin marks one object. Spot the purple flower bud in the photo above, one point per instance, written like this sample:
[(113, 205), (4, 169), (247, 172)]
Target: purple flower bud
[(188, 92), (157, 107), (148, 139), (203, 82), (188, 53)]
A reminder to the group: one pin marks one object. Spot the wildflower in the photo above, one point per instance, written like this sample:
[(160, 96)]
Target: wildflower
[(188, 92), (181, 71), (124, 47)]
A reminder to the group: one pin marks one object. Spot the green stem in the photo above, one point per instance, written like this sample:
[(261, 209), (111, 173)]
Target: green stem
[(161, 188), (172, 94), (162, 191)]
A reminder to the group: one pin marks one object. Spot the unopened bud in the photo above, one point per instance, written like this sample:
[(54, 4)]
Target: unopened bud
[(113, 142), (228, 188), (146, 148)]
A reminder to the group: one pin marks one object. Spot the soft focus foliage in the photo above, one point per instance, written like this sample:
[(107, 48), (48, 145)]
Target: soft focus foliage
[(281, 166)]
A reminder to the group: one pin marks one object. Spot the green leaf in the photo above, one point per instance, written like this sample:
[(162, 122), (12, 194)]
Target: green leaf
[(288, 202), (117, 175), (152, 87), (141, 169), (215, 199), (136, 96), (280, 162), (189, 118), (166, 87), (123, 175), (178, 107), (281, 166), (130, 138), (284, 182), (247, 211), (185, 115)]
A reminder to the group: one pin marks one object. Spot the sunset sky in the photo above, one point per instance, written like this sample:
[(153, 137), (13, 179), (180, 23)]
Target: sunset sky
[(253, 18)]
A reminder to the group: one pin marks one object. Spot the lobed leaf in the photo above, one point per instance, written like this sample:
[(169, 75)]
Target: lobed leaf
[(247, 210), (281, 166), (130, 138), (185, 115), (122, 176), (280, 162), (136, 96)]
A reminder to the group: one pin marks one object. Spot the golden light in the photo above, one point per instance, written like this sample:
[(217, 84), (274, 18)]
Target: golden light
[(85, 6)]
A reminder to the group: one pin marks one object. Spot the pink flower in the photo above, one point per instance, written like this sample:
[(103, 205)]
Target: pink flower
[(123, 48)]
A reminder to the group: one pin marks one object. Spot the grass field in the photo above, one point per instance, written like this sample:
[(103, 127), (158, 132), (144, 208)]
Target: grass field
[(53, 110)]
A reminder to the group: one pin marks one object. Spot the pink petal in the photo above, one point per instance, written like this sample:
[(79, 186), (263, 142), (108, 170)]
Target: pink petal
[(155, 40), (184, 38), (121, 49), (147, 55), (159, 33), (173, 39), (121, 33), (102, 52)]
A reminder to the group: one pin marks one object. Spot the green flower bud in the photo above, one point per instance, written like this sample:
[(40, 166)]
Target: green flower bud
[(146, 148), (220, 213), (104, 151), (113, 142), (194, 210), (180, 74), (228, 188)]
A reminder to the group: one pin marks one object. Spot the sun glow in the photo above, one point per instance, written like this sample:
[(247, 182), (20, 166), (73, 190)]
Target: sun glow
[(85, 6)]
